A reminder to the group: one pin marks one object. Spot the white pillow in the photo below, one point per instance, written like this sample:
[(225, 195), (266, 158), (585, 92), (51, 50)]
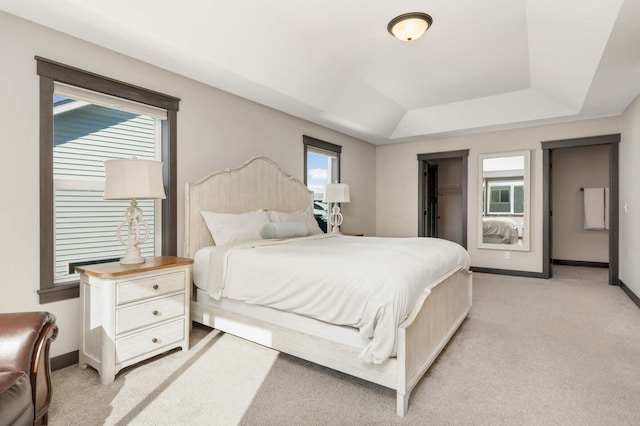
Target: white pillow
[(229, 227), (302, 216)]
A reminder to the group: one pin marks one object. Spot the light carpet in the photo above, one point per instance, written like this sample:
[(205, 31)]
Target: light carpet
[(564, 351)]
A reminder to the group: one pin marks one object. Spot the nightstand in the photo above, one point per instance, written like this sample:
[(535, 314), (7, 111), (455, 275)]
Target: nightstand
[(133, 312)]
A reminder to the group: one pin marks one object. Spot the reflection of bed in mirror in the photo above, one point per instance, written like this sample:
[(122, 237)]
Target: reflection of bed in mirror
[(499, 230), (442, 305)]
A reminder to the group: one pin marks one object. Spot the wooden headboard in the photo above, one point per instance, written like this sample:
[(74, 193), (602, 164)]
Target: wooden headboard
[(257, 184)]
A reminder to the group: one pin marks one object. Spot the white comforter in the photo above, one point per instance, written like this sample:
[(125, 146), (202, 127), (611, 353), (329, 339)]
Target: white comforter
[(368, 283)]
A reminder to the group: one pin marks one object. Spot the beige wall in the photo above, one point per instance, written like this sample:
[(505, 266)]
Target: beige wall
[(397, 183), (216, 130), (575, 168), (630, 198)]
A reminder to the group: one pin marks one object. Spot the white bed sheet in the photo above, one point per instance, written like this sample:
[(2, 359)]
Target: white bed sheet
[(367, 283)]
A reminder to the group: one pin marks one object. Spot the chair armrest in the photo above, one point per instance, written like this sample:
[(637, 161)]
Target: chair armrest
[(41, 371), (19, 333), (25, 338)]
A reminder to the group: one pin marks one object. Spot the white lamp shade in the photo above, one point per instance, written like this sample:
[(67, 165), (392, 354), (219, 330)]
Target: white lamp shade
[(133, 179), (336, 193)]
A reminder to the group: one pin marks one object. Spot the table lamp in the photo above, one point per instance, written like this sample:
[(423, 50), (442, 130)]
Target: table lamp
[(133, 179), (336, 193)]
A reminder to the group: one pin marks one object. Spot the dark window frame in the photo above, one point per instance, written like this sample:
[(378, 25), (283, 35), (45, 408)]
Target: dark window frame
[(328, 147), (50, 71), (320, 144)]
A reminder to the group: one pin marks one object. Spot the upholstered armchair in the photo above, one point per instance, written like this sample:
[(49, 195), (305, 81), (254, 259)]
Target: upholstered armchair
[(25, 372)]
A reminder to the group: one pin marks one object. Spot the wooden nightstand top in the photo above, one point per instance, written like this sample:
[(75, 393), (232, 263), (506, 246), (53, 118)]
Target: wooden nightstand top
[(117, 269)]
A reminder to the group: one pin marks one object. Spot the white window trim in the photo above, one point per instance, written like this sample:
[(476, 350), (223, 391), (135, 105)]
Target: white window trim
[(511, 185)]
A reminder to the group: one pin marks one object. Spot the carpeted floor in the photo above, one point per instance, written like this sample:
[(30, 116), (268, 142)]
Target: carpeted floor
[(563, 351)]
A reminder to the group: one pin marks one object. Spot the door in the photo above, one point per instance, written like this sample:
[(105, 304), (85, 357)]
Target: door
[(446, 170), (549, 220), (431, 197)]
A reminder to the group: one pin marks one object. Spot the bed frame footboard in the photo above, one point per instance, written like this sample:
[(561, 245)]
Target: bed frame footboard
[(431, 324), (421, 337)]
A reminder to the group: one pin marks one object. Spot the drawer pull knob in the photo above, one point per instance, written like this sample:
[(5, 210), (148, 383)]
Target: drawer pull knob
[(154, 340), (155, 312), (155, 286)]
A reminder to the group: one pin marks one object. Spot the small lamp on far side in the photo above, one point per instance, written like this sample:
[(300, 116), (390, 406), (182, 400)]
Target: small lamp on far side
[(133, 179), (336, 193)]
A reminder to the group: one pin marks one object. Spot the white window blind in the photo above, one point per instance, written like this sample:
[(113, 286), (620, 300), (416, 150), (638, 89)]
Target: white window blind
[(108, 101), (86, 229)]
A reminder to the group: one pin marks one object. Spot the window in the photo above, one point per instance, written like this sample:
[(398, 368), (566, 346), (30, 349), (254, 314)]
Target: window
[(86, 132), (322, 166), (505, 197), (500, 200), (84, 120)]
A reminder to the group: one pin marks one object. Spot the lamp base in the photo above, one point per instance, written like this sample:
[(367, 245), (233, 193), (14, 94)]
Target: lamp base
[(132, 256), (335, 219), (133, 220)]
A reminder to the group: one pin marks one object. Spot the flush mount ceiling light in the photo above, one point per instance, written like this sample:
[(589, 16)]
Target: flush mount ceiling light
[(409, 26)]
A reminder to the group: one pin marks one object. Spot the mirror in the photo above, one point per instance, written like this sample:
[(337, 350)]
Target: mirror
[(504, 201)]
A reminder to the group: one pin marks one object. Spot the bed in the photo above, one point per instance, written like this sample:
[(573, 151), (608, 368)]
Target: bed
[(440, 306), (499, 230)]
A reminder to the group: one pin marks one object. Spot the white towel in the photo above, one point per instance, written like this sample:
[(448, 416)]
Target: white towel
[(594, 208)]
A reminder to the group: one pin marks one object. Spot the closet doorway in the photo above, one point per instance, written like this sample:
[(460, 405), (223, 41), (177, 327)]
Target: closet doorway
[(442, 195), (571, 168)]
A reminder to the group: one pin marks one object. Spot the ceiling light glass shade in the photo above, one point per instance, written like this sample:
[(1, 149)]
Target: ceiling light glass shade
[(409, 26)]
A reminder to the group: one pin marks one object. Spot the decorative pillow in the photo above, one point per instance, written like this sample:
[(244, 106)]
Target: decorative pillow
[(284, 230), (304, 216), (228, 227)]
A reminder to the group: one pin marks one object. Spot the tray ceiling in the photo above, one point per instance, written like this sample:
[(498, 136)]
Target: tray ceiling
[(481, 66)]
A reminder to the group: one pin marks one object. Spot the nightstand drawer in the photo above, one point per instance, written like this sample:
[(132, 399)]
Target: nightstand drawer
[(148, 313), (143, 288), (150, 340)]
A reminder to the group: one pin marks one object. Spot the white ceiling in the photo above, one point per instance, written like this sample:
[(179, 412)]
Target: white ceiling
[(483, 65)]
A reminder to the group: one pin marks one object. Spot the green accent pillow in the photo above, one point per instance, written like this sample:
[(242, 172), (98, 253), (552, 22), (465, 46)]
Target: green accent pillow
[(283, 230)]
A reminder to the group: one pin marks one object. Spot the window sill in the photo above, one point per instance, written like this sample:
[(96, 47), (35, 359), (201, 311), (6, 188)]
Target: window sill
[(61, 292)]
